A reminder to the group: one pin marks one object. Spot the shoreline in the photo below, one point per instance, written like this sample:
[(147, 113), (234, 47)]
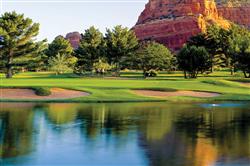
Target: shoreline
[(124, 101)]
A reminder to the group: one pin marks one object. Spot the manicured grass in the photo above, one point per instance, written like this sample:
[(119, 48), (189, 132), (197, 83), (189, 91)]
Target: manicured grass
[(111, 89)]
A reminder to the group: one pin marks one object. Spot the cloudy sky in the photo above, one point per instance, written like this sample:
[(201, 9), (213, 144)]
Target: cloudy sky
[(61, 16)]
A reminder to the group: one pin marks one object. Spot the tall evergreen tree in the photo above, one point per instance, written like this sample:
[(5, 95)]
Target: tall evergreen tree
[(61, 46), (90, 50), (36, 60), (17, 41), (121, 44)]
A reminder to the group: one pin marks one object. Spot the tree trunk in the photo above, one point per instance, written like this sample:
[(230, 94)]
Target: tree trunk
[(9, 73), (196, 74), (232, 71), (193, 74), (245, 74), (116, 72), (212, 69), (212, 64), (185, 74)]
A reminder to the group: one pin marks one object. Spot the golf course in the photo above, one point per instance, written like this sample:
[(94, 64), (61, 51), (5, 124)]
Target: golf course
[(129, 87), (88, 82)]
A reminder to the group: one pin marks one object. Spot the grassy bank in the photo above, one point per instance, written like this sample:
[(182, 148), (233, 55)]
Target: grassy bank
[(111, 89)]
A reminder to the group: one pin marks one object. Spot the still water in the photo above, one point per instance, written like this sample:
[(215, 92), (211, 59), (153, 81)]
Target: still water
[(140, 134)]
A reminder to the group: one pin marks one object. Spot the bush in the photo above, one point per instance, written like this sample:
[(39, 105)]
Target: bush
[(61, 64), (101, 67), (151, 73), (41, 91)]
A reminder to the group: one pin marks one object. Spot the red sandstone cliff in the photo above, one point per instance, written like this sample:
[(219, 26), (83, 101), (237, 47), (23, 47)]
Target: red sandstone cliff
[(74, 39), (173, 22), (237, 14)]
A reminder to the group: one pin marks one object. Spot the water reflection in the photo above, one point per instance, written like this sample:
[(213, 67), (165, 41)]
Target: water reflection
[(157, 134), (16, 130), (230, 105)]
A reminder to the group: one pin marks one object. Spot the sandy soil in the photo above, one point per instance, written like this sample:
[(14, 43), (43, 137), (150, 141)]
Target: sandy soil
[(56, 93), (245, 83), (177, 93)]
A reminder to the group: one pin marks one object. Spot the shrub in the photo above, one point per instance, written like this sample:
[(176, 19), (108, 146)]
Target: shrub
[(101, 67), (151, 73), (61, 64), (41, 91)]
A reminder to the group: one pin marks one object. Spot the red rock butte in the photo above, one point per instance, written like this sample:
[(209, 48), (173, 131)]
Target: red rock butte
[(173, 22), (74, 39)]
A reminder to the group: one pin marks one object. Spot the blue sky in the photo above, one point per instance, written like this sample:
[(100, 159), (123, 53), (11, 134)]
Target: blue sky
[(58, 18)]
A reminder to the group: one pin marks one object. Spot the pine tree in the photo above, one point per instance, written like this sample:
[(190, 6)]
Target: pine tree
[(90, 50), (17, 41), (121, 44), (60, 46)]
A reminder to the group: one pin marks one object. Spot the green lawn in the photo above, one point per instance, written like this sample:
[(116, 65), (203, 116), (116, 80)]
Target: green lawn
[(112, 89)]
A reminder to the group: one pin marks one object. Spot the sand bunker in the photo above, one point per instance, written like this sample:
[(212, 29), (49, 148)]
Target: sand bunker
[(153, 93), (56, 93)]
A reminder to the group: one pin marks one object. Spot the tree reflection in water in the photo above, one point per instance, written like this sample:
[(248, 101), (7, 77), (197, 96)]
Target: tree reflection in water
[(166, 134), (16, 130)]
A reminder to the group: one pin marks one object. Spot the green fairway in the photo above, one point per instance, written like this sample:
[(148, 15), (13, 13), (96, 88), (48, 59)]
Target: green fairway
[(111, 89)]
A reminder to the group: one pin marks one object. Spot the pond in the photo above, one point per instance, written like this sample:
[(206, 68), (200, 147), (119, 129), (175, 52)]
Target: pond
[(140, 134)]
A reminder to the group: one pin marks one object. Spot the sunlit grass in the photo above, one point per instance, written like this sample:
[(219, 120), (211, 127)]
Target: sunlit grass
[(109, 88)]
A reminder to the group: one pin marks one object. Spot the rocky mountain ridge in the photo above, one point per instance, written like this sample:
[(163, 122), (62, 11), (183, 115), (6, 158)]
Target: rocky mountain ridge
[(173, 22)]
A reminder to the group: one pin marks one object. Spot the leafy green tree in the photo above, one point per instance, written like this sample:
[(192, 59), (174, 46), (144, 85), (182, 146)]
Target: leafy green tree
[(17, 41), (1, 53), (193, 60), (101, 67), (240, 50), (90, 50), (243, 57), (216, 42), (153, 56), (121, 44), (60, 64), (59, 46), (36, 60), (238, 35)]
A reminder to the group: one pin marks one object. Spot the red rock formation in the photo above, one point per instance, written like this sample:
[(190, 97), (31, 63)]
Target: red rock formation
[(170, 9), (173, 22), (237, 14), (74, 39)]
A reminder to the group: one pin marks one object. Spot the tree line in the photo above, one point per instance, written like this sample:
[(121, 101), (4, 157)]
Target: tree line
[(119, 49), (223, 48)]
